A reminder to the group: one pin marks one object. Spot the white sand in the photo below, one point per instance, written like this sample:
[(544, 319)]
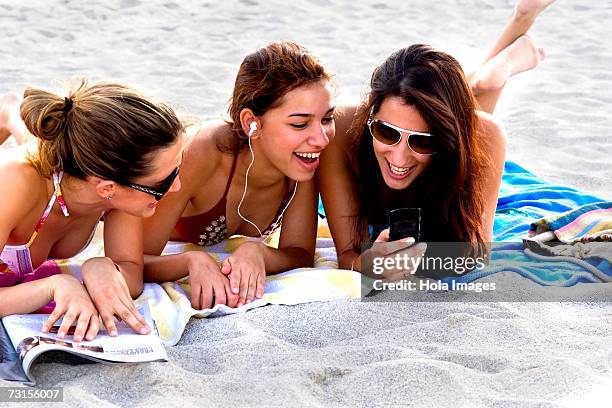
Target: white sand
[(559, 124)]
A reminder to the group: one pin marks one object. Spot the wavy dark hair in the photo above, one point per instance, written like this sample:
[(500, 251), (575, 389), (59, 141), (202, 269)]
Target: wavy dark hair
[(450, 190)]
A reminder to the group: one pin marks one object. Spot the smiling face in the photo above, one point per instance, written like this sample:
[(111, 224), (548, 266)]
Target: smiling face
[(399, 165), (139, 203), (294, 133)]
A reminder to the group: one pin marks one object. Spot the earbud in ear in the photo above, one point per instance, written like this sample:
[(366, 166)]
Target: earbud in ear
[(252, 128)]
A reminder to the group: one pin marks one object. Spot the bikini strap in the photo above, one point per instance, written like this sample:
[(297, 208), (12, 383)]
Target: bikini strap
[(57, 195), (229, 180), (58, 192)]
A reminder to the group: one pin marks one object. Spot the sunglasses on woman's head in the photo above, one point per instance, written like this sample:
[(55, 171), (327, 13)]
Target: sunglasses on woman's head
[(160, 190), (391, 135)]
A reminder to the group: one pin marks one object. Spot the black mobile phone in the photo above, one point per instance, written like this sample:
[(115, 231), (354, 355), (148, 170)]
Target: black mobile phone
[(405, 222)]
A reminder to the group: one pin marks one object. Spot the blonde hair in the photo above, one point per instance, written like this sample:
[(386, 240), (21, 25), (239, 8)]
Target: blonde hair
[(106, 130)]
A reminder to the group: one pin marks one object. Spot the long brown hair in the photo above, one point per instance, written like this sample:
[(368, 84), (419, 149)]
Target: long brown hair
[(106, 130), (264, 77), (450, 190)]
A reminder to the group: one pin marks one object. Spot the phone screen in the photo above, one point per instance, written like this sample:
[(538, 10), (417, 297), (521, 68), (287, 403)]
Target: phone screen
[(405, 222)]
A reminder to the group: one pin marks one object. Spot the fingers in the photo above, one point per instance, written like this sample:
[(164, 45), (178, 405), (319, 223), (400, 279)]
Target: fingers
[(226, 267), (261, 282), (383, 236), (413, 257), (207, 296), (250, 296), (416, 251), (395, 246), (392, 246), (244, 288), (232, 298), (94, 327), (234, 278), (138, 315), (53, 317), (219, 290), (196, 292), (109, 323), (132, 317), (81, 326), (69, 317)]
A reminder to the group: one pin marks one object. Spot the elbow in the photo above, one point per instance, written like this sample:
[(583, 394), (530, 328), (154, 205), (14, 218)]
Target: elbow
[(136, 290), (347, 259), (306, 259), (148, 273), (307, 262), (343, 261)]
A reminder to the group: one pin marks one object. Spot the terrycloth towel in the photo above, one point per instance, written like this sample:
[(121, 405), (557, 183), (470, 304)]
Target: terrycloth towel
[(583, 233), (524, 198), (591, 222), (527, 203), (171, 306), (547, 271)]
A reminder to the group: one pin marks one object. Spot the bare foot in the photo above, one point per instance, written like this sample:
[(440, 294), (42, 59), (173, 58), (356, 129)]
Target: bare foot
[(522, 55), (529, 9), (10, 119)]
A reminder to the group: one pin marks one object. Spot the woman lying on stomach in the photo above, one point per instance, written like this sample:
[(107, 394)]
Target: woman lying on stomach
[(104, 150), (424, 138), (245, 176)]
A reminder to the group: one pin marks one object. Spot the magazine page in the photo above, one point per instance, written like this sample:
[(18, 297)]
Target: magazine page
[(30, 342)]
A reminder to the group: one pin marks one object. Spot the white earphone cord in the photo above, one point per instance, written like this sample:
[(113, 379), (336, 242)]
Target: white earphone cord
[(246, 183)]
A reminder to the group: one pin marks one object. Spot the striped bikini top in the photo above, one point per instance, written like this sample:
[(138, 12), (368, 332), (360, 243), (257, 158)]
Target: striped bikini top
[(16, 260)]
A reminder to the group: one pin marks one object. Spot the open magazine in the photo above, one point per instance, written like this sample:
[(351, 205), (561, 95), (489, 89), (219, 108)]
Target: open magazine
[(22, 342)]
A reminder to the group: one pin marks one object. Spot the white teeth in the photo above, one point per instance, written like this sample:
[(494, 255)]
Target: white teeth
[(399, 170), (309, 155)]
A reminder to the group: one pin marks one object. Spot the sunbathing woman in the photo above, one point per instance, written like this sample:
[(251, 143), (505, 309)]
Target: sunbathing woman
[(103, 150), (419, 140), (245, 175), (282, 117)]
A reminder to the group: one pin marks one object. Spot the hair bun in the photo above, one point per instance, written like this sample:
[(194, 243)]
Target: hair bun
[(45, 113), (67, 104)]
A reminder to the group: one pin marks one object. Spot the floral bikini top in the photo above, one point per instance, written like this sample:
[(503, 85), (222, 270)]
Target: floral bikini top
[(210, 228), (16, 260)]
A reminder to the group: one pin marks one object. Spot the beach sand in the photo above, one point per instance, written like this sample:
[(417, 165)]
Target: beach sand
[(349, 353)]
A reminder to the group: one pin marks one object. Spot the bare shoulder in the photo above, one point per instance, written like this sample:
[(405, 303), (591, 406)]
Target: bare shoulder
[(343, 141), (26, 185), (203, 143), (201, 155), (16, 171), (492, 130)]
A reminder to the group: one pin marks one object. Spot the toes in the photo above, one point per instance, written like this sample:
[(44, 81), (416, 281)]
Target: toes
[(542, 54)]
